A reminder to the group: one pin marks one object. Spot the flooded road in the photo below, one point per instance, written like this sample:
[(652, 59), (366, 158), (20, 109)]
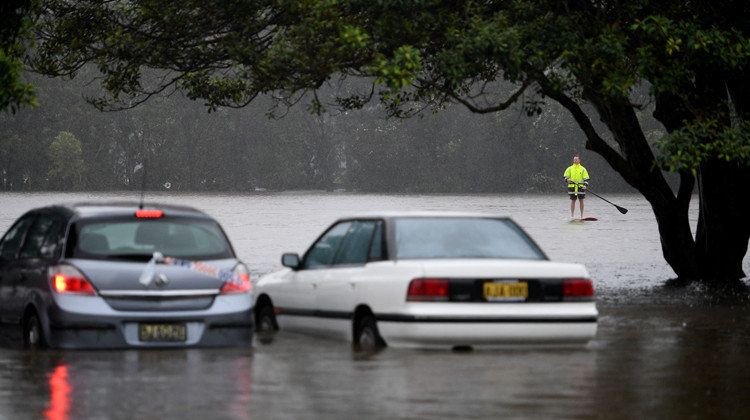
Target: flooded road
[(658, 353)]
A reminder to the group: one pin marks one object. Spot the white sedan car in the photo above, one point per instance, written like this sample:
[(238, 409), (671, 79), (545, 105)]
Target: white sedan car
[(450, 280)]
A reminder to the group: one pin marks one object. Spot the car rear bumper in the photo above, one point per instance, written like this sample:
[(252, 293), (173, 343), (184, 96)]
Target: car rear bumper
[(490, 325), (485, 334), (104, 333), (223, 325)]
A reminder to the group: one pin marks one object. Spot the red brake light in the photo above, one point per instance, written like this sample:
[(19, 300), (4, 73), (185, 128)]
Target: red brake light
[(151, 214), (239, 283), (577, 288), (67, 279), (427, 290)]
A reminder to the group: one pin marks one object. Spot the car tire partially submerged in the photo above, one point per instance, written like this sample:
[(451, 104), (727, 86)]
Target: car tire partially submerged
[(366, 336), (33, 337), (265, 322)]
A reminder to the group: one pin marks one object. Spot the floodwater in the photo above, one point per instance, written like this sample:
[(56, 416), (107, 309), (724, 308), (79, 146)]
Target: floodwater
[(659, 353)]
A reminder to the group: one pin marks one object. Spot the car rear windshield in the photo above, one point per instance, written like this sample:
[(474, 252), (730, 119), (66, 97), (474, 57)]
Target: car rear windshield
[(130, 239), (446, 237)]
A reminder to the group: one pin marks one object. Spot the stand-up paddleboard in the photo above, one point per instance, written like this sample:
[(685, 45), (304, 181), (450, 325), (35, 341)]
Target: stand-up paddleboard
[(585, 219)]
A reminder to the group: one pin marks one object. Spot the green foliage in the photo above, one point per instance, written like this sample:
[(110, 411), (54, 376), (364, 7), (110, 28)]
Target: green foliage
[(696, 142), (397, 71), (677, 57), (16, 19), (14, 92)]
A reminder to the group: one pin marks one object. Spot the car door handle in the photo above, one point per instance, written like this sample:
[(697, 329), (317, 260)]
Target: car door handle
[(314, 285)]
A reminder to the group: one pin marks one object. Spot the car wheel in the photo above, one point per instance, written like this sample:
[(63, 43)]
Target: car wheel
[(367, 336), (266, 322), (33, 336)]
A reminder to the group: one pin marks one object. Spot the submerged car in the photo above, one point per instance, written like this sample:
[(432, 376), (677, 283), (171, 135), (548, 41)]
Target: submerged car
[(123, 275), (449, 280)]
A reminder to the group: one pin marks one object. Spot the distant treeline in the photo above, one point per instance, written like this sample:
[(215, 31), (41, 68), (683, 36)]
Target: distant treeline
[(66, 144)]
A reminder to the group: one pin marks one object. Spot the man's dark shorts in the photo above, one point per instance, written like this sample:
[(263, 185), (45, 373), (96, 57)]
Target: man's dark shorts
[(571, 192)]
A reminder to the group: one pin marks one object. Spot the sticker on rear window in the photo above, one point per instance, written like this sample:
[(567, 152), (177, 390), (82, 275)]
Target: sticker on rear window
[(198, 266)]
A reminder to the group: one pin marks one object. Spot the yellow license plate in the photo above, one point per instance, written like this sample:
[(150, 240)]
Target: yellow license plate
[(506, 291), (162, 332)]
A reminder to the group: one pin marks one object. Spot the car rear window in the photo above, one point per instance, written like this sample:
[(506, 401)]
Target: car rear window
[(446, 237), (139, 239)]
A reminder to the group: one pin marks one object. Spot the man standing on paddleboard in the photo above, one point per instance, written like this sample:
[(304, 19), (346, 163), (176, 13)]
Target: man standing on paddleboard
[(577, 179)]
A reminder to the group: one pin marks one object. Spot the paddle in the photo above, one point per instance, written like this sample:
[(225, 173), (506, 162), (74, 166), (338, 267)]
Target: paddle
[(622, 210)]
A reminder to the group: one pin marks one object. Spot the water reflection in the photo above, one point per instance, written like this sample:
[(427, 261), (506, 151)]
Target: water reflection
[(59, 395), (239, 393), (125, 384)]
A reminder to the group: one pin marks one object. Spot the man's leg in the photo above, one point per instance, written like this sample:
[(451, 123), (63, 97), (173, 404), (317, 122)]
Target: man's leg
[(580, 199), (572, 208)]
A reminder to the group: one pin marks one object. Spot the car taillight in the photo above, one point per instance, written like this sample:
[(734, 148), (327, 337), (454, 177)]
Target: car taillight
[(239, 283), (67, 279), (577, 288), (421, 290), (149, 214)]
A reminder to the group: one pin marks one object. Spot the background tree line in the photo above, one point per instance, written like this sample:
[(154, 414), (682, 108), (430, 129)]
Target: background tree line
[(66, 144)]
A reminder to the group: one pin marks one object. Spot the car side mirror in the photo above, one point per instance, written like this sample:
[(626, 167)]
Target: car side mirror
[(290, 260)]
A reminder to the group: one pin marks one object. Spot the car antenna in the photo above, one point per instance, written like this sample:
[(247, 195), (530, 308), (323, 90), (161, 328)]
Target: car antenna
[(143, 183)]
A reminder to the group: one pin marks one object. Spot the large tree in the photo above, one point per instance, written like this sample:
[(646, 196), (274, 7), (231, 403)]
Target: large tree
[(591, 57)]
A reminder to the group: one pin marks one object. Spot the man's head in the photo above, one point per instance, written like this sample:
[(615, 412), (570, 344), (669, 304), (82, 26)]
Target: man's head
[(576, 160)]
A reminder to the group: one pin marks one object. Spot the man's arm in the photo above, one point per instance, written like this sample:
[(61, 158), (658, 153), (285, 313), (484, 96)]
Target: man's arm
[(585, 178)]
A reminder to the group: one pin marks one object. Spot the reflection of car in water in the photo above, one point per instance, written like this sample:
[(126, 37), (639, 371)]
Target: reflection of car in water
[(428, 279), (116, 275)]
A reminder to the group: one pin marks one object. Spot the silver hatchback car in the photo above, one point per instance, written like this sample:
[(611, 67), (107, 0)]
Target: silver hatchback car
[(123, 275)]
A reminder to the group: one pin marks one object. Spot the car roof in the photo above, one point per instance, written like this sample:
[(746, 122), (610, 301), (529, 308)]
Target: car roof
[(124, 208), (422, 214)]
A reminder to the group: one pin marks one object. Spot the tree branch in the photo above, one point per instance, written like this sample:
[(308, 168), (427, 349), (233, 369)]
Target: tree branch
[(470, 105)]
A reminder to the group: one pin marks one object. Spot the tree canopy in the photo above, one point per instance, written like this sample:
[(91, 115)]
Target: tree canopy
[(16, 19), (591, 57)]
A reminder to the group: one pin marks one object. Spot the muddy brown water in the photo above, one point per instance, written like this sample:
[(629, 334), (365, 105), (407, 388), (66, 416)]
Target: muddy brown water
[(659, 353)]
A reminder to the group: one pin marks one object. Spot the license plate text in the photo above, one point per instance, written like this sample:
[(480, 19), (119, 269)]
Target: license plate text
[(506, 291)]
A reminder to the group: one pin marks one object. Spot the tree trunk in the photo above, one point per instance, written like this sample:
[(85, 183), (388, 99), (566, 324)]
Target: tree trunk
[(723, 224), (677, 242), (675, 234)]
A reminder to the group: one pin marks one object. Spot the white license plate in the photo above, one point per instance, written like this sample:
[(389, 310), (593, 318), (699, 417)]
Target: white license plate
[(169, 333)]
